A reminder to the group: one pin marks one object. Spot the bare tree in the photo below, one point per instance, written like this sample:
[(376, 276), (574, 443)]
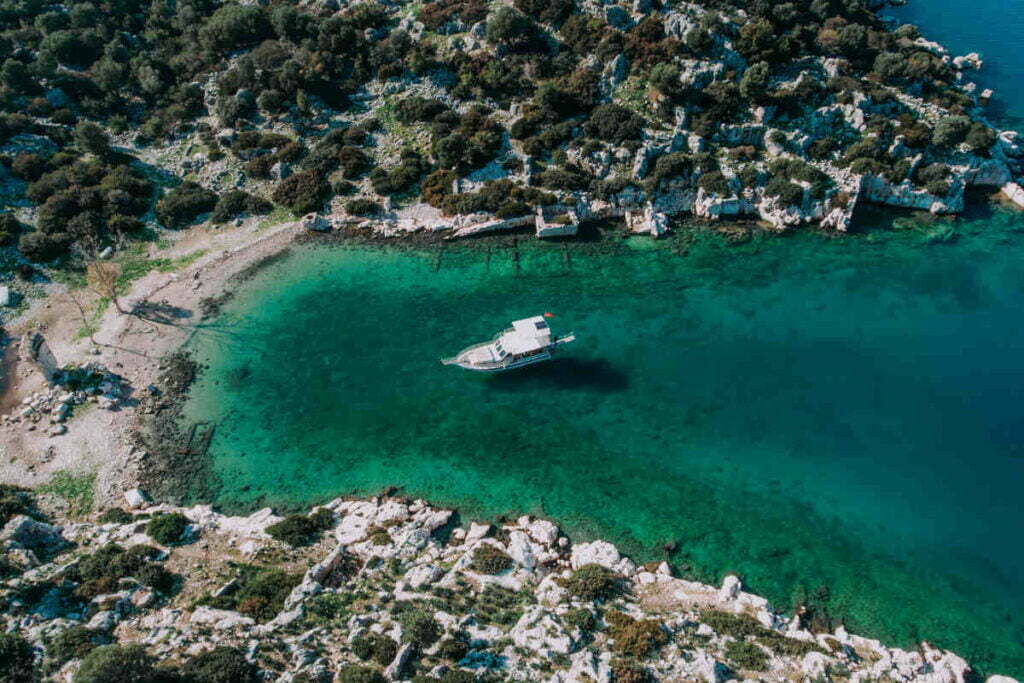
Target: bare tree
[(102, 277)]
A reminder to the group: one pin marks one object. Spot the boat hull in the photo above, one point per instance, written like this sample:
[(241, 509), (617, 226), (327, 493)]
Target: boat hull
[(497, 367)]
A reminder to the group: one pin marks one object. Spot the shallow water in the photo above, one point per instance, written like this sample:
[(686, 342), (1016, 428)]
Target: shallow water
[(803, 410)]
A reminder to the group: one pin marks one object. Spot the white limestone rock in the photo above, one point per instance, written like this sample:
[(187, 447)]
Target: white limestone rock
[(423, 575), (220, 619), (136, 498), (595, 552), (730, 588), (539, 632), (543, 531)]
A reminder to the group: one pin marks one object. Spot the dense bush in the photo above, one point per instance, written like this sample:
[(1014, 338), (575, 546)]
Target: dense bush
[(594, 582), (184, 204), (553, 12), (614, 123), (400, 178), (100, 572), (115, 516), (234, 26), (363, 207), (89, 137), (301, 193), (418, 626), (490, 560), (436, 187), (417, 110), (117, 664), (40, 247), (16, 659), (634, 637), (236, 202), (74, 642), (220, 665), (359, 674), (298, 530), (167, 528), (259, 592), (506, 26), (746, 656), (380, 649), (789, 194), (951, 131)]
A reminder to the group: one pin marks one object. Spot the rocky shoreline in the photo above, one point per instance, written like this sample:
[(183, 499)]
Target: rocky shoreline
[(391, 589)]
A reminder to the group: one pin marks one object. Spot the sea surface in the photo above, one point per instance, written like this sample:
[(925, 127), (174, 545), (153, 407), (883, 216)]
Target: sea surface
[(806, 410)]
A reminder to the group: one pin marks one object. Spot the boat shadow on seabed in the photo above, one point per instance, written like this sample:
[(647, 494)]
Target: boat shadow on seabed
[(562, 373)]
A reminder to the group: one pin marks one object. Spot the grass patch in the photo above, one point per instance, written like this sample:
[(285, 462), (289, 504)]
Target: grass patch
[(76, 490), (136, 264)]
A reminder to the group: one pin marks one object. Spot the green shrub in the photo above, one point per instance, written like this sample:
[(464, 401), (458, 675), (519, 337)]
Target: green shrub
[(40, 247), (359, 674), (167, 528), (235, 202), (417, 110), (15, 501), (628, 671), (115, 516), (302, 192), (117, 664), (745, 656), (220, 665), (452, 649), (89, 137), (380, 649), (594, 582), (234, 26), (260, 592), (74, 643), (583, 619), (789, 194), (980, 138), (418, 627), (634, 637), (489, 560), (951, 131), (99, 572), (295, 530), (715, 183), (614, 123), (184, 204), (363, 207), (16, 659), (506, 26)]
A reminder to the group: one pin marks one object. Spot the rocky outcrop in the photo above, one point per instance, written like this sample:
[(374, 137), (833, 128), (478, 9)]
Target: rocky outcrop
[(384, 559)]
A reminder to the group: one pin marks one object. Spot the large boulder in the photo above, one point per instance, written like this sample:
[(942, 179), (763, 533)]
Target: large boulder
[(32, 534)]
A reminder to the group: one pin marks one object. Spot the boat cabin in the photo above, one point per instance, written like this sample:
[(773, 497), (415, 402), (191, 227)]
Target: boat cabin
[(526, 337)]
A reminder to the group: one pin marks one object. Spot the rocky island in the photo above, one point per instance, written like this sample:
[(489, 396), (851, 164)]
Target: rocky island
[(152, 156)]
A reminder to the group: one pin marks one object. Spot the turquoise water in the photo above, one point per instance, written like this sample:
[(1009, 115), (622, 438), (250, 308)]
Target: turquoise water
[(804, 410), (992, 28)]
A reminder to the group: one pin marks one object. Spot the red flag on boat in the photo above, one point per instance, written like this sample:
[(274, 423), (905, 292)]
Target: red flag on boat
[(549, 315)]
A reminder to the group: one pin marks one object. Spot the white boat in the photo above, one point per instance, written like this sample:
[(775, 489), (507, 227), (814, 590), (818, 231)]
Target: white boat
[(528, 341)]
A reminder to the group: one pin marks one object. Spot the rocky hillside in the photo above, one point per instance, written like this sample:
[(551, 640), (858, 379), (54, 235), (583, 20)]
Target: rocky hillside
[(388, 589), (125, 118)]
